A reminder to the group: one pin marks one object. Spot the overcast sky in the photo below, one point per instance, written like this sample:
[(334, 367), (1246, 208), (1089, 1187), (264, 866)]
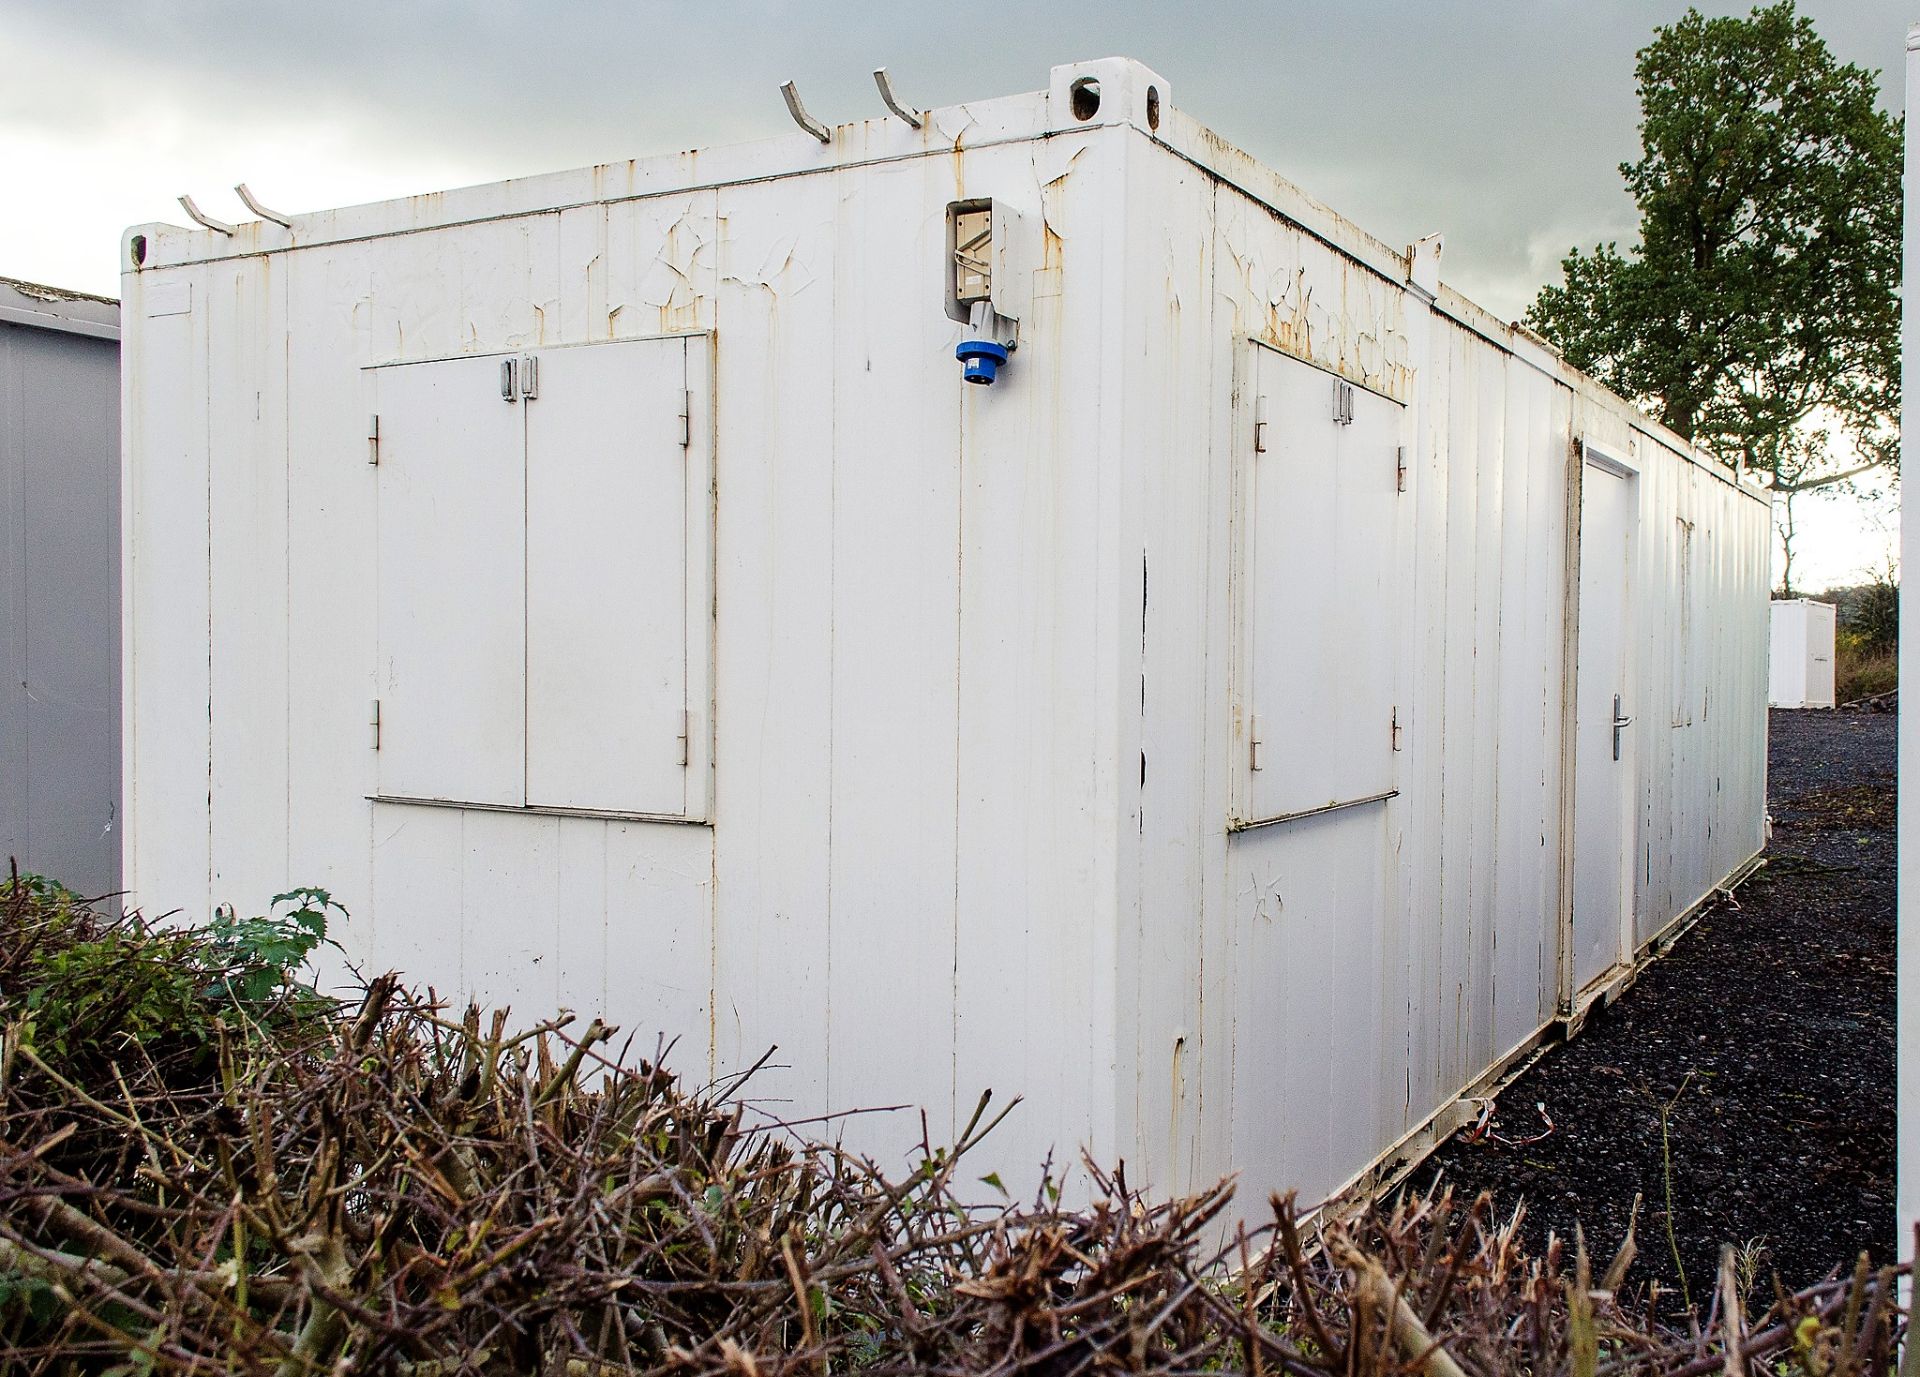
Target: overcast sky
[(1497, 122)]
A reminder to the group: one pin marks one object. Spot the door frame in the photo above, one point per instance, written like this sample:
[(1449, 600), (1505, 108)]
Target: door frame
[(1610, 459)]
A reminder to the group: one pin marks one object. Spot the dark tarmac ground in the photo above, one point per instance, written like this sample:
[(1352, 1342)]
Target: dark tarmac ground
[(1765, 1038)]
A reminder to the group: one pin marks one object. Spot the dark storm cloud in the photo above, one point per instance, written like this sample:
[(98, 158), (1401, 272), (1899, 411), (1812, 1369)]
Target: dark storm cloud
[(1497, 122)]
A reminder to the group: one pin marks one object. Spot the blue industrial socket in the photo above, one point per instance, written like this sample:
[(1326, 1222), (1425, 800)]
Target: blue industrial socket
[(980, 359)]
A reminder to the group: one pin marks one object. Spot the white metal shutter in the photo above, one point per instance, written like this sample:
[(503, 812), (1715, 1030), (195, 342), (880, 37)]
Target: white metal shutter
[(451, 550), (608, 712), (1320, 564)]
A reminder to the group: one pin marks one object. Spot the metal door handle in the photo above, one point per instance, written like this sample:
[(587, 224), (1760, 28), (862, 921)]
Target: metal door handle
[(1620, 724)]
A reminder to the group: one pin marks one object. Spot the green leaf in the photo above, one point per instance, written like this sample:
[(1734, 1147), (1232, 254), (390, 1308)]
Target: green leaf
[(1757, 313)]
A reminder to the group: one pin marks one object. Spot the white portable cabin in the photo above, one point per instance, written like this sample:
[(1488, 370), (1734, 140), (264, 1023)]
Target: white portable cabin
[(1800, 658), (1278, 701)]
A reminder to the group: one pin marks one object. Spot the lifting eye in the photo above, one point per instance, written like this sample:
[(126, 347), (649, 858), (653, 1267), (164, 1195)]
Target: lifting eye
[(1086, 98)]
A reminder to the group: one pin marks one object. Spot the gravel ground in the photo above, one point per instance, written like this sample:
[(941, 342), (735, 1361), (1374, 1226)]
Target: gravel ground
[(1765, 1039)]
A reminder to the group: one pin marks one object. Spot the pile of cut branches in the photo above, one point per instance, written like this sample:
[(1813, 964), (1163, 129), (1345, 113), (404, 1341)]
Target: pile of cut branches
[(207, 1167)]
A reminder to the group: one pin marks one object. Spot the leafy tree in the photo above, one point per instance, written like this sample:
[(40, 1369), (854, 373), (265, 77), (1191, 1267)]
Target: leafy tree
[(1759, 314)]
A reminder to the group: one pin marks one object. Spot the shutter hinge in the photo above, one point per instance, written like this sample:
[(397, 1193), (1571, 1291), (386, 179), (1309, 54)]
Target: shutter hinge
[(1259, 425), (686, 420), (1343, 403), (373, 722), (509, 389), (529, 376), (1400, 468), (1393, 729), (1254, 743), (686, 736), (373, 438)]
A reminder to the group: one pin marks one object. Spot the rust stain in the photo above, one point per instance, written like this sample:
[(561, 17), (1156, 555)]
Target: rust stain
[(1177, 1097), (1053, 250)]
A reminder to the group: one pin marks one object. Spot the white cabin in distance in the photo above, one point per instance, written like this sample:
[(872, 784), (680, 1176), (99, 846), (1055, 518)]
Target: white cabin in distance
[(1800, 653)]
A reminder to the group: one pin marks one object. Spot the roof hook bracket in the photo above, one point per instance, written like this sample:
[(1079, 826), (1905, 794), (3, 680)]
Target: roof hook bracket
[(202, 219), (885, 83), (247, 200), (800, 115)]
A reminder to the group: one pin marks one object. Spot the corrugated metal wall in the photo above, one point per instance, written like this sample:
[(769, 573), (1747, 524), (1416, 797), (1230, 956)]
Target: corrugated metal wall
[(59, 591)]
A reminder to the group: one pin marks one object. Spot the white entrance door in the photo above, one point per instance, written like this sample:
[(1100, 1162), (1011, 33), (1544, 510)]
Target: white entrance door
[(1605, 835)]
